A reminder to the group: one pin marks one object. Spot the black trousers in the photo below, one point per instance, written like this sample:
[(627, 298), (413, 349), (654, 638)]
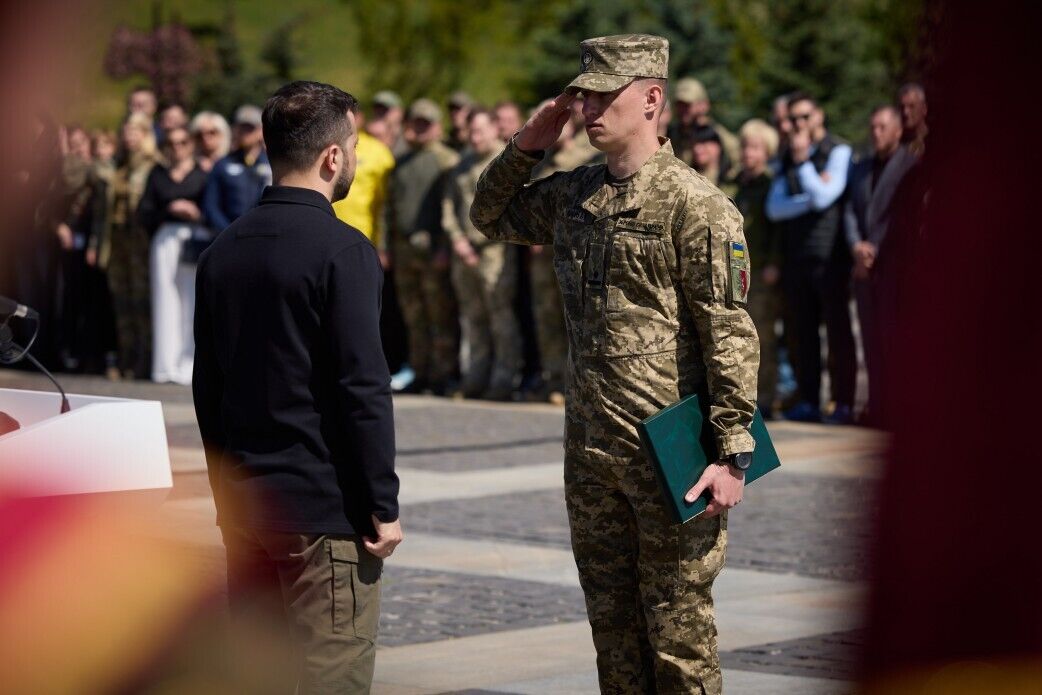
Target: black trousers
[(818, 291)]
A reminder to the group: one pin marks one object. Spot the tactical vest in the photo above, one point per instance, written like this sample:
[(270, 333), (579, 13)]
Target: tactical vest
[(814, 235)]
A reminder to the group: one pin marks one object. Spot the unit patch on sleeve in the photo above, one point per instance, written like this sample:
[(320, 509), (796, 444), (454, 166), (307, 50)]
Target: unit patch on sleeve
[(738, 264)]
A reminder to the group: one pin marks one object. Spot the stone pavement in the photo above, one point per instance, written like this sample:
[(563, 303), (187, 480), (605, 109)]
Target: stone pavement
[(483, 597)]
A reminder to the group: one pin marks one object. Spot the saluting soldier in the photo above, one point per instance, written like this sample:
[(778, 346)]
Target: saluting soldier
[(654, 274)]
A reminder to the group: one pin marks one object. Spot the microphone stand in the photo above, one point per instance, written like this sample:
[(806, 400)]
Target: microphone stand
[(7, 356)]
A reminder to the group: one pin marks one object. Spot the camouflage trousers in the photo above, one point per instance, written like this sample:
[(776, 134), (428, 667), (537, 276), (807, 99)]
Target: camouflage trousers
[(647, 579), (129, 282), (765, 308), (486, 303), (429, 309), (549, 318)]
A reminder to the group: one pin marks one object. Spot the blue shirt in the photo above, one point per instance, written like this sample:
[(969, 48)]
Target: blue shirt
[(233, 187), (817, 195)]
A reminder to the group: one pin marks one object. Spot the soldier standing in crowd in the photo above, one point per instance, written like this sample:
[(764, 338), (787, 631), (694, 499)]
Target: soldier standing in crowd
[(691, 106), (759, 145), (484, 274), (805, 199), (420, 252), (508, 119), (386, 122), (460, 104), (572, 149), (652, 264)]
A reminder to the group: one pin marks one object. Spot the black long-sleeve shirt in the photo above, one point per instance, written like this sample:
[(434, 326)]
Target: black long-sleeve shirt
[(161, 190), (292, 390)]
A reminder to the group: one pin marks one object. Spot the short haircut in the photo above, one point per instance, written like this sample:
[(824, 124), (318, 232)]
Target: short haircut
[(759, 129), (142, 88), (886, 107), (507, 105), (797, 97), (911, 87), (167, 105), (476, 111), (303, 118)]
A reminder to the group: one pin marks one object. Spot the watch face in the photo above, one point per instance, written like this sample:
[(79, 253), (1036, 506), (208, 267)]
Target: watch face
[(743, 461)]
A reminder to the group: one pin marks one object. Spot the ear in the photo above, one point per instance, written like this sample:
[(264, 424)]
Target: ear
[(334, 157), (653, 98)]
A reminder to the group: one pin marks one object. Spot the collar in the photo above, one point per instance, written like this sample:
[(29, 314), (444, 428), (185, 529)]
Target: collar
[(294, 195), (640, 183)]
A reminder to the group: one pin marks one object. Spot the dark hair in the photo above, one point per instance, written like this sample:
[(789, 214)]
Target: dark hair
[(476, 111), (303, 118), (171, 105), (886, 107), (704, 133), (142, 88), (797, 97)]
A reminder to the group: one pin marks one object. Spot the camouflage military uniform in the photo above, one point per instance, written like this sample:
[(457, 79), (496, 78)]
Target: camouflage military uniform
[(485, 292), (654, 291), (413, 223), (546, 294)]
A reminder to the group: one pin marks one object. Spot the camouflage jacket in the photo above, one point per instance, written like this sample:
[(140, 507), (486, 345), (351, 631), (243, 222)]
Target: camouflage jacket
[(458, 197), (654, 275)]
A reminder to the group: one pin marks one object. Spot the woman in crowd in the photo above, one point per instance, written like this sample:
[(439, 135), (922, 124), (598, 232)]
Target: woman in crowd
[(213, 138), (759, 142), (122, 249), (169, 212)]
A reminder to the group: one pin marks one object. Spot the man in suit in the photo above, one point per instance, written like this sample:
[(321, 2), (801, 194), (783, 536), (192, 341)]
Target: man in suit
[(293, 399), (873, 183)]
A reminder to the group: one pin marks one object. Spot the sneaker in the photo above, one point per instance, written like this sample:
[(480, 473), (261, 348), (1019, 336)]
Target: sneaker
[(841, 415), (403, 379), (803, 412)]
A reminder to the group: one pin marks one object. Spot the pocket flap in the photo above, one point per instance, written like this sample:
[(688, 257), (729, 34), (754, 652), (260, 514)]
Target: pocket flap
[(344, 549)]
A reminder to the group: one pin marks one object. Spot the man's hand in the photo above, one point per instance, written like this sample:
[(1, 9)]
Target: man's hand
[(465, 251), (544, 127), (725, 483), (535, 250), (799, 146), (388, 536), (771, 275), (184, 209)]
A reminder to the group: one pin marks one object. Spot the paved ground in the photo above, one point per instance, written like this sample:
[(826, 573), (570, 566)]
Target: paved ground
[(483, 595)]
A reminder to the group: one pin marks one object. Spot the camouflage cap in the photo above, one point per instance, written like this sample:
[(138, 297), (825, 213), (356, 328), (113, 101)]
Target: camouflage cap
[(690, 91), (387, 99), (611, 62), (425, 109), (460, 99)]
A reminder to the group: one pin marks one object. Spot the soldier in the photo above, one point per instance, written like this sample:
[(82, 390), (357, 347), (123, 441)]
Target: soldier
[(692, 106), (484, 274), (419, 250), (460, 105), (652, 265)]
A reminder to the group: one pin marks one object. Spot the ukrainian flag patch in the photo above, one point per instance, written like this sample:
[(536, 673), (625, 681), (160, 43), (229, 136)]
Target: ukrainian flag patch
[(738, 277)]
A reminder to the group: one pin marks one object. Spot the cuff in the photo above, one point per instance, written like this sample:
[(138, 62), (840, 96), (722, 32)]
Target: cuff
[(515, 151), (387, 517), (735, 443)]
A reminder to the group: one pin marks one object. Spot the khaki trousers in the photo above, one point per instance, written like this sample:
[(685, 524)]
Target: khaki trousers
[(323, 590)]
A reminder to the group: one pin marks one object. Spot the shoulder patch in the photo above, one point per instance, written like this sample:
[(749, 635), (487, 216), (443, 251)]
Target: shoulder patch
[(738, 266)]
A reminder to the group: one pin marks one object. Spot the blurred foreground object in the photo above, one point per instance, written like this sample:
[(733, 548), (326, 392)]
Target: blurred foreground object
[(956, 606)]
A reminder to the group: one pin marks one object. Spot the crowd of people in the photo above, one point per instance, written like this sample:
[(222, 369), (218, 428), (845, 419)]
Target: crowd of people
[(118, 221)]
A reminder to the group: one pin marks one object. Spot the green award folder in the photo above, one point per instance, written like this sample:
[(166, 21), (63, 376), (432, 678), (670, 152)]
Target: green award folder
[(680, 443)]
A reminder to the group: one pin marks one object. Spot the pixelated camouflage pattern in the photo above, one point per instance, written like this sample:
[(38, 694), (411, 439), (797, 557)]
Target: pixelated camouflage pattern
[(644, 271), (608, 63), (644, 275), (648, 581), (486, 291)]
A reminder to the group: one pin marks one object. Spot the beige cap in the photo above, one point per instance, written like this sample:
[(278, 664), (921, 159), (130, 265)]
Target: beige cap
[(387, 99), (690, 91), (248, 114), (460, 99), (425, 109), (612, 62)]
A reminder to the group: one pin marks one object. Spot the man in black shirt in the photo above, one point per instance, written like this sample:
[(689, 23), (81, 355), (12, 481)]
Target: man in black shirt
[(293, 398)]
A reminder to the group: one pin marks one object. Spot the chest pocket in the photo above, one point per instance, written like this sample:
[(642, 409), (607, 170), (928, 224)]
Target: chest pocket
[(571, 248), (641, 313)]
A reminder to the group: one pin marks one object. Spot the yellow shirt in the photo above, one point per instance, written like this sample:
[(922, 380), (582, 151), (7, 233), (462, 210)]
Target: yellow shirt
[(363, 206)]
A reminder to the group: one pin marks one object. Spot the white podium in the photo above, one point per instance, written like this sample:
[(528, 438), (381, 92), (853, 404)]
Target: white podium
[(101, 445)]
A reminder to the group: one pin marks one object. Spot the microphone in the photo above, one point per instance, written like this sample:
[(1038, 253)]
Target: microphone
[(9, 307), (11, 352)]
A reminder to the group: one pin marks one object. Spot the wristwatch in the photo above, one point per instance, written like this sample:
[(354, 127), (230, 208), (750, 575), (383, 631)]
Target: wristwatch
[(742, 460)]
